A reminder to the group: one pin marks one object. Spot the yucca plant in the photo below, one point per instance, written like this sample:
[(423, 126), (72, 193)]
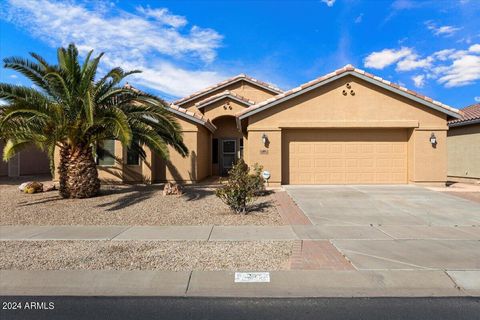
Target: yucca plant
[(72, 109)]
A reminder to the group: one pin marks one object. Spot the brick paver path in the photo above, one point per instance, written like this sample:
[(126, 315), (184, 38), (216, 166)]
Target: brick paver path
[(289, 211), (317, 255)]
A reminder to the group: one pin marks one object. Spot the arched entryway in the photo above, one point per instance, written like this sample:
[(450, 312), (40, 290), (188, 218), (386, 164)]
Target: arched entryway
[(227, 145)]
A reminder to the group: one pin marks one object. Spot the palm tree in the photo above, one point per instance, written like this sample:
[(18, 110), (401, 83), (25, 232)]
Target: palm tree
[(70, 109)]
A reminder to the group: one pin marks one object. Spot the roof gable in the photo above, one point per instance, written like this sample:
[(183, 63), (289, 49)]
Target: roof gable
[(223, 95), (345, 71), (226, 83)]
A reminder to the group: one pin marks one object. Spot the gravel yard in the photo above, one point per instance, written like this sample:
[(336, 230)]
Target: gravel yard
[(129, 205), (144, 255)]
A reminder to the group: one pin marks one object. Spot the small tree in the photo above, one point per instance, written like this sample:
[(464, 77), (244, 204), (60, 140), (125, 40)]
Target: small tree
[(241, 187)]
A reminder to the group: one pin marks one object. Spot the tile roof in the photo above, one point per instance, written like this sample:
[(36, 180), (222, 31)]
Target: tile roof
[(194, 116), (221, 95), (470, 115), (227, 82), (348, 69)]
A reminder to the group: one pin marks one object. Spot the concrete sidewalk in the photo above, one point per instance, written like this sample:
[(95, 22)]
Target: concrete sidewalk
[(221, 283), (239, 233)]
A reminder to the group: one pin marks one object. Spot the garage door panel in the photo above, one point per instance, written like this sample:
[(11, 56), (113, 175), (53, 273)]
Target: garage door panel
[(346, 156)]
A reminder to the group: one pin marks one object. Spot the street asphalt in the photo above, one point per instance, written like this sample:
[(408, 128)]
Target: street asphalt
[(119, 308)]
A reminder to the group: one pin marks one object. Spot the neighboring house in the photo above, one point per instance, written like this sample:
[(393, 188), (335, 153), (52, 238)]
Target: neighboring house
[(347, 127), (29, 161), (463, 143)]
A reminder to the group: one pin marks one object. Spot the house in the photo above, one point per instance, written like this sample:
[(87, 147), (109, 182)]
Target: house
[(347, 127), (463, 142), (28, 162)]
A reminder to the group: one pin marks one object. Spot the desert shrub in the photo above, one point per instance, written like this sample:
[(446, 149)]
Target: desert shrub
[(241, 187)]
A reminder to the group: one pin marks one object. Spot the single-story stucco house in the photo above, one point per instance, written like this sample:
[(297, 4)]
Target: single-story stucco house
[(347, 127), (463, 141)]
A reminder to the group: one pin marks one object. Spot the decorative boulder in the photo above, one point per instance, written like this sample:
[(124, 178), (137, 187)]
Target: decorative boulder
[(33, 187), (23, 185), (172, 189), (50, 186)]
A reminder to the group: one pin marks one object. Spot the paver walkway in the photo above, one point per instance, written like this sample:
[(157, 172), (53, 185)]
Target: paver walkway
[(317, 255)]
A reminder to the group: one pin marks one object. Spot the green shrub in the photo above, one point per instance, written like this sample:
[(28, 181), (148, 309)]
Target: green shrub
[(241, 187)]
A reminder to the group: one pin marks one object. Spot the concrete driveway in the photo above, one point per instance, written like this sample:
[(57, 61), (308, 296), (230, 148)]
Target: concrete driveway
[(389, 205), (409, 227)]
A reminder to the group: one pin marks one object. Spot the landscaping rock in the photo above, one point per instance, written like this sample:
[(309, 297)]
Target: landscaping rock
[(172, 189), (33, 187), (49, 186), (23, 185)]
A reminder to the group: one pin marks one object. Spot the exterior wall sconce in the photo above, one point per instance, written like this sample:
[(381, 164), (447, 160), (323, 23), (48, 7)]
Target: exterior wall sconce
[(264, 139), (433, 140)]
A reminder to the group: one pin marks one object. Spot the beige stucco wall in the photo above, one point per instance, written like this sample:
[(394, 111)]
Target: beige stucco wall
[(120, 172), (193, 168), (370, 107), (204, 154), (245, 89), (463, 144)]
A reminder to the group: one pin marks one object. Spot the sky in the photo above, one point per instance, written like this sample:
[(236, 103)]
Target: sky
[(432, 47)]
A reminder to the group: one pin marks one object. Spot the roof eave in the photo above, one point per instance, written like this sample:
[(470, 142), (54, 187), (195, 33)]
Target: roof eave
[(209, 126), (363, 77), (464, 123)]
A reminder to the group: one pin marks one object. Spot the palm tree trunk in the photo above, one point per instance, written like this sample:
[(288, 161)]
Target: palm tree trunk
[(78, 172)]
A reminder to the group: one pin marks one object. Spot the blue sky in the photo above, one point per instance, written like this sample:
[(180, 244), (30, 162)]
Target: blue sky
[(432, 47)]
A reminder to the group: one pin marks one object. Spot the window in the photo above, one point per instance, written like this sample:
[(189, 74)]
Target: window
[(106, 153), (241, 148), (215, 151), (133, 157)]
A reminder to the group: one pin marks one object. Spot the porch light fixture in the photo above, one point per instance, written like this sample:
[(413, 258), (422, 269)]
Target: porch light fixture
[(433, 139), (264, 139)]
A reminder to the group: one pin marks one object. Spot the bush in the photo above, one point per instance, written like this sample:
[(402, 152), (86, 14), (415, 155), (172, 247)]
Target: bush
[(241, 187)]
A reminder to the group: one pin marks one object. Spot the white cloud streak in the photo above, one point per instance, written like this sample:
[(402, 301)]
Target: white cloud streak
[(441, 30), (449, 67), (153, 40), (386, 57), (419, 80), (329, 3)]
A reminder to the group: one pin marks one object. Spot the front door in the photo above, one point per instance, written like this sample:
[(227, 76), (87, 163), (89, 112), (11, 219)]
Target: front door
[(229, 151)]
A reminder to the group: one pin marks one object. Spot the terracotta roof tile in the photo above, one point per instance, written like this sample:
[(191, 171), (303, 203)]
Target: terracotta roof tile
[(205, 121), (347, 68), (222, 95), (227, 82), (469, 114)]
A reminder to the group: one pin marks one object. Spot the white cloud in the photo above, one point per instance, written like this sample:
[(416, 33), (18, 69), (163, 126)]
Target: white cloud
[(412, 62), (152, 40), (329, 3), (477, 99), (359, 18), (162, 15), (386, 57), (475, 48), (441, 30), (444, 54), (13, 76), (449, 67), (419, 80), (461, 72)]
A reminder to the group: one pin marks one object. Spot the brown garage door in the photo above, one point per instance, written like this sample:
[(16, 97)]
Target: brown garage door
[(344, 156)]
